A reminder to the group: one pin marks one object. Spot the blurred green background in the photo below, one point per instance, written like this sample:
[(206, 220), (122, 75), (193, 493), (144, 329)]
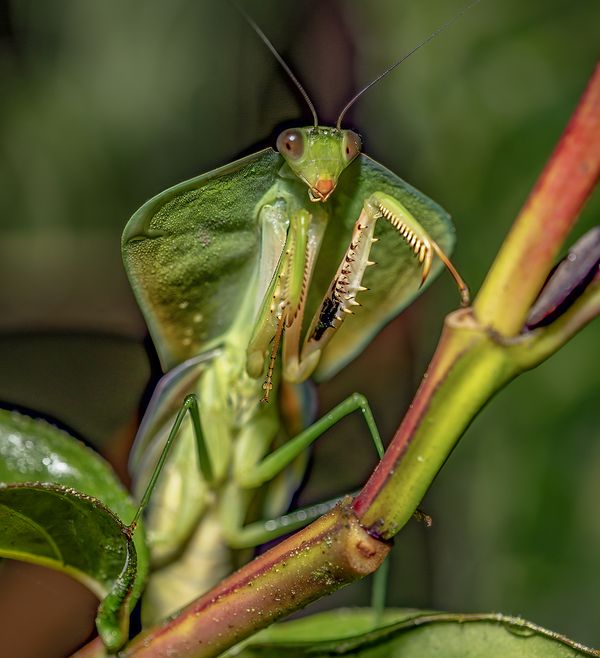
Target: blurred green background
[(106, 103)]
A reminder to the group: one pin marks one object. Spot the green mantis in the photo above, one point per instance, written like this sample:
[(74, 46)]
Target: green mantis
[(248, 277)]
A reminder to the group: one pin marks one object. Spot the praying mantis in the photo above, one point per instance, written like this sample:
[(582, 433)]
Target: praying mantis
[(248, 277)]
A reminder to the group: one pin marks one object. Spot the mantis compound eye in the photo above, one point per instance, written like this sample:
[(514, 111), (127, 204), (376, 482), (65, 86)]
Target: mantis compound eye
[(290, 144), (351, 145)]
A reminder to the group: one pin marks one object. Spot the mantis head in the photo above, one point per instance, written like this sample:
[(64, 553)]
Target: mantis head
[(318, 155)]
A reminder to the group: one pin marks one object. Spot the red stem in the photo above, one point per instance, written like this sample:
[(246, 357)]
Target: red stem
[(520, 268), (538, 233)]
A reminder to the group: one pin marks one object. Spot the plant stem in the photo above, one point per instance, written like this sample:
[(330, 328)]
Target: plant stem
[(473, 358), (531, 247), (330, 553)]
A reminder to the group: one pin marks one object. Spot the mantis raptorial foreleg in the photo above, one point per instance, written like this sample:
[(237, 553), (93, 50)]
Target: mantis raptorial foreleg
[(345, 286), (422, 245), (283, 304)]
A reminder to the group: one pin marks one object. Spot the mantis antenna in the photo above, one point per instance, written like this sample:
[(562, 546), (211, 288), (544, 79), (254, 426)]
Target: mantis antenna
[(434, 34), (279, 58)]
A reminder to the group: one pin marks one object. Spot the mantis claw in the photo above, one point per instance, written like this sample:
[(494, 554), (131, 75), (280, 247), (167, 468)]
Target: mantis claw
[(420, 244), (425, 258), (465, 297)]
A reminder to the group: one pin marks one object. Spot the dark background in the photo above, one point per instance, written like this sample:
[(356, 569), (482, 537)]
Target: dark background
[(105, 103)]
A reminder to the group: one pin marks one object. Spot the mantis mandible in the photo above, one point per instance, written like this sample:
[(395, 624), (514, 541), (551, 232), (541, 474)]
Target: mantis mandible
[(248, 277)]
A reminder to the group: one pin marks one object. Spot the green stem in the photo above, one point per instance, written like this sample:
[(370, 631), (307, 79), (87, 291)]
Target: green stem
[(471, 363), (330, 553), (473, 358), (468, 367)]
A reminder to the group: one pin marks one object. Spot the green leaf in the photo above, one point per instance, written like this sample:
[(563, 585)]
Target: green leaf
[(409, 634), (76, 523), (63, 529)]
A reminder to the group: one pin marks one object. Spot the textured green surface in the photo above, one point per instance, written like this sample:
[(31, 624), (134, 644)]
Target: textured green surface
[(190, 253), (72, 531), (409, 634)]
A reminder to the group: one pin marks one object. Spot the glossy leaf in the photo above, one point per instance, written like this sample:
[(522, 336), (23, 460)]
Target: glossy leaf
[(65, 530), (63, 524), (409, 634)]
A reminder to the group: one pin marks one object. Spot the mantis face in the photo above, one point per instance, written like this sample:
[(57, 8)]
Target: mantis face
[(318, 155)]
